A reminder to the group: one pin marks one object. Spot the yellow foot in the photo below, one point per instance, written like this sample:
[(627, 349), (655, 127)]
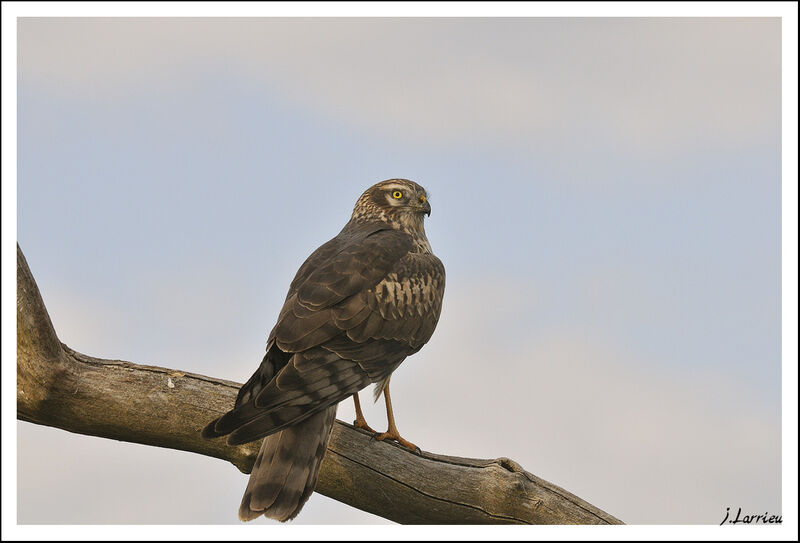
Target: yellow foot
[(362, 424), (394, 436)]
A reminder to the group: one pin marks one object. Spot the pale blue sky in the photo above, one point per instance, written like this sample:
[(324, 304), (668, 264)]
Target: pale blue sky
[(606, 200)]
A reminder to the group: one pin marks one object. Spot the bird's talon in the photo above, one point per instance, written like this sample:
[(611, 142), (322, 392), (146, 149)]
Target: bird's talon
[(394, 437), (362, 425)]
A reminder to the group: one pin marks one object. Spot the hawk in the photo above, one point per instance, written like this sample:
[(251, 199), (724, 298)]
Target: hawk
[(357, 307)]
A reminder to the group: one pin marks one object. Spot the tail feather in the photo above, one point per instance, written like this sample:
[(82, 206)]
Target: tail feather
[(286, 469)]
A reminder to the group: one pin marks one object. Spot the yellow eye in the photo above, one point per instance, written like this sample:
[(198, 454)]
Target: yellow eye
[(397, 195)]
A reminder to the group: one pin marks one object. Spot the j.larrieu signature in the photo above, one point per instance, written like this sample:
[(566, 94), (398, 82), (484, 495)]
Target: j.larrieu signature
[(766, 518)]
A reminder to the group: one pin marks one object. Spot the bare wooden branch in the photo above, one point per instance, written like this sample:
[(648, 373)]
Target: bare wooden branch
[(57, 386)]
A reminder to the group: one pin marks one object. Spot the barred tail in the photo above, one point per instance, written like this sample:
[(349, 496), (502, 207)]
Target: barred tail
[(286, 469)]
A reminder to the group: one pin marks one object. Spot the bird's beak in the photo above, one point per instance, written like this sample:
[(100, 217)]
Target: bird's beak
[(425, 206)]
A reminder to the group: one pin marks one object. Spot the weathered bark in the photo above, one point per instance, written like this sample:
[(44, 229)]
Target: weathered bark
[(57, 386)]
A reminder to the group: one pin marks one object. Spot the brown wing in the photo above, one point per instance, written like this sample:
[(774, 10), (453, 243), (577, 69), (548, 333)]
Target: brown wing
[(395, 318), (367, 335), (318, 304), (298, 375)]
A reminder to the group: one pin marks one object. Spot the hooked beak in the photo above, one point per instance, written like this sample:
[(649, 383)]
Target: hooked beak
[(425, 206)]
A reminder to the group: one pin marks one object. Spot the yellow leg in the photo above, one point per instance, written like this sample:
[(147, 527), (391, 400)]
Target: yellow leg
[(360, 421), (392, 432)]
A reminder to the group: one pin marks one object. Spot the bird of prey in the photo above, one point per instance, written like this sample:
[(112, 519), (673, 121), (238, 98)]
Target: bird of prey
[(357, 307)]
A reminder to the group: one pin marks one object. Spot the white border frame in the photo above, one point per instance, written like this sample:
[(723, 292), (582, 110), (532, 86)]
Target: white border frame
[(786, 10)]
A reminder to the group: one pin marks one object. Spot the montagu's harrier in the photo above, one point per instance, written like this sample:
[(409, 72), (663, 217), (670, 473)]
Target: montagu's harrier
[(358, 306)]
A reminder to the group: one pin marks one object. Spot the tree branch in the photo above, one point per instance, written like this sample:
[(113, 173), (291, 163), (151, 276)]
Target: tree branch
[(57, 386)]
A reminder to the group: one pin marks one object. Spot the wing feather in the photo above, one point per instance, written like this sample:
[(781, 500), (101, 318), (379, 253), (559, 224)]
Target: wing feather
[(355, 310)]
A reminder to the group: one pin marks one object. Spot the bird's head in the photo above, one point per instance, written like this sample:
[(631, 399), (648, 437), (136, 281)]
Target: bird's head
[(398, 201)]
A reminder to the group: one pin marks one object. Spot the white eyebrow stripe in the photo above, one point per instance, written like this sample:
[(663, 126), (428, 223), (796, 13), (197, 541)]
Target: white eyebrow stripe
[(397, 186)]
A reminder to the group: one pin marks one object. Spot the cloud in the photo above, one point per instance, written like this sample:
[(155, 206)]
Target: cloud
[(643, 86)]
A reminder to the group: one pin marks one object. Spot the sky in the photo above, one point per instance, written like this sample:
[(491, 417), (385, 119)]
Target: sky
[(606, 199)]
